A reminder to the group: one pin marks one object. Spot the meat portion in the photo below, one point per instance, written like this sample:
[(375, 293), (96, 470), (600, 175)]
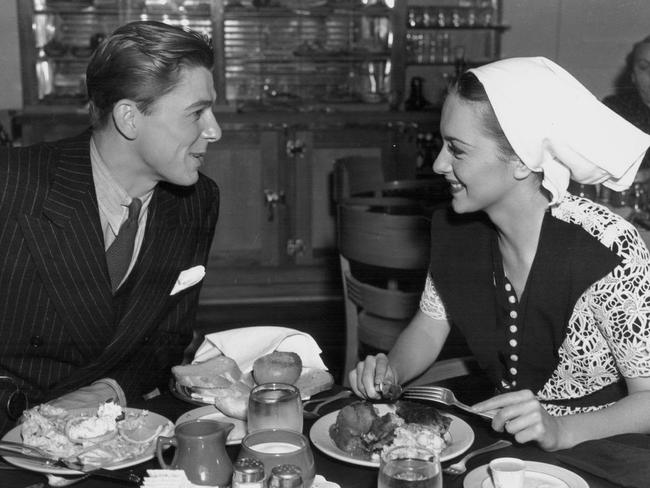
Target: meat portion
[(418, 413), (360, 431), (352, 422)]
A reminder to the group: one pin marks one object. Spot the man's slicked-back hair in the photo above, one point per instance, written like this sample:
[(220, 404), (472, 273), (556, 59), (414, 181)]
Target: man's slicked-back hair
[(141, 61)]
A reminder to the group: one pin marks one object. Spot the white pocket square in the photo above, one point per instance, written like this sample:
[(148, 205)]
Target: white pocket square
[(187, 278)]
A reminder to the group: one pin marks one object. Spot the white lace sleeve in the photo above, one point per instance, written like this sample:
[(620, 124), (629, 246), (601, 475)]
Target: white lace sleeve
[(431, 303), (622, 301)]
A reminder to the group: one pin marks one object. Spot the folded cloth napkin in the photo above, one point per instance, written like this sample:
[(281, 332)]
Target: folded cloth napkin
[(246, 344), (622, 459), (167, 478)]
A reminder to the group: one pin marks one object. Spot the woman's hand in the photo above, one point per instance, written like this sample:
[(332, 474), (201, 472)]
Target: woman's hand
[(369, 374), (521, 414)]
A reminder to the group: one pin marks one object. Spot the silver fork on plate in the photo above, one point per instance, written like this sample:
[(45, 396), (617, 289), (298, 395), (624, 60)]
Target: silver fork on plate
[(460, 467), (322, 402), (442, 395)]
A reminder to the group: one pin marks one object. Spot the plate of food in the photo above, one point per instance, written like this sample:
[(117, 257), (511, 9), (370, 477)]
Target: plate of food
[(358, 432), (211, 413), (220, 382), (107, 436)]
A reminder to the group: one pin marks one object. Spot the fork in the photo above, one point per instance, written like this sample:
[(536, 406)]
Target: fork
[(312, 414), (441, 395), (58, 481), (460, 467)]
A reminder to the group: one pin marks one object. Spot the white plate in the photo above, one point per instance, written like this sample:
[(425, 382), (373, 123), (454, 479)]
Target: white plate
[(211, 413), (537, 475), (153, 421), (461, 433)]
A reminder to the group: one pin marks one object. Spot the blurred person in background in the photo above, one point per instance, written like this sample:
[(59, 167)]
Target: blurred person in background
[(632, 100)]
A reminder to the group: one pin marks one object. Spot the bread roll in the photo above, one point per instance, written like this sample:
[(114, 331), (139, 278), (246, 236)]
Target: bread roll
[(218, 372), (231, 401)]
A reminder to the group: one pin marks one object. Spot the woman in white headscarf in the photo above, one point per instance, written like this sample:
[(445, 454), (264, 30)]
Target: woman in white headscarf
[(550, 290)]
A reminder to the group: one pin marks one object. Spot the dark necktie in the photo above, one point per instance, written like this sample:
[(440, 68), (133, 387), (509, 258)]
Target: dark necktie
[(118, 255)]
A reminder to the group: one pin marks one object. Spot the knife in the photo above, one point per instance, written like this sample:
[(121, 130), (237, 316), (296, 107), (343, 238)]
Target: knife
[(61, 463)]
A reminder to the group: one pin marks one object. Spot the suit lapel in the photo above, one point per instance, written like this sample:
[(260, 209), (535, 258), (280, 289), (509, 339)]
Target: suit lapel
[(66, 242)]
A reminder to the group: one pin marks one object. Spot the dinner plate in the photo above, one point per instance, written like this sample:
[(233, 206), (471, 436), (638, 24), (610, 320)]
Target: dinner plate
[(537, 475), (461, 433), (153, 421), (211, 413)]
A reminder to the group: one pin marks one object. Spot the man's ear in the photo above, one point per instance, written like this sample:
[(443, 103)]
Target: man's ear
[(125, 118)]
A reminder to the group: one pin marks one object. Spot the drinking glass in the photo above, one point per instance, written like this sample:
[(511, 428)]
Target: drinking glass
[(275, 406), (274, 447), (409, 467)]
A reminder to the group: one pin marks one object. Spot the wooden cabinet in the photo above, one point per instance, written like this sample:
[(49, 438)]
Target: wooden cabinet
[(276, 235)]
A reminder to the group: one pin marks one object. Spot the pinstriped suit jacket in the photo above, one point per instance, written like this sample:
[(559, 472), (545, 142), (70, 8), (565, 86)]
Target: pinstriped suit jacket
[(60, 326)]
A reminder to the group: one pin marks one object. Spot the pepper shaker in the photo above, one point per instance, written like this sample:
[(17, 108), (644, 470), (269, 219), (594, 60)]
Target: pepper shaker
[(285, 476)]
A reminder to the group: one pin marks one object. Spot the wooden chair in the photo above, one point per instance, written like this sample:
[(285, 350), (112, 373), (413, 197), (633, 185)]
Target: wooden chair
[(365, 180), (384, 258)]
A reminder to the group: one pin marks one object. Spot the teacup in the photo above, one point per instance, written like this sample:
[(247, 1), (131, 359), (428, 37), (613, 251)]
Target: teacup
[(507, 472), (274, 447)]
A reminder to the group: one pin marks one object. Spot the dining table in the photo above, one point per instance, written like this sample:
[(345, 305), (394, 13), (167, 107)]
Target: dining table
[(345, 474)]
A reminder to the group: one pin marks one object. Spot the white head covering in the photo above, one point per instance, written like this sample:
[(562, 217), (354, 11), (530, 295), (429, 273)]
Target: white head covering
[(557, 126)]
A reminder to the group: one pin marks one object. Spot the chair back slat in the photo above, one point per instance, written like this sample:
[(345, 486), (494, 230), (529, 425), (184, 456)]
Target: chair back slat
[(357, 174), (386, 240), (392, 304)]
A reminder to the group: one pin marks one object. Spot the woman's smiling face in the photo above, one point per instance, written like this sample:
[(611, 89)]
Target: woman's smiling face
[(470, 159)]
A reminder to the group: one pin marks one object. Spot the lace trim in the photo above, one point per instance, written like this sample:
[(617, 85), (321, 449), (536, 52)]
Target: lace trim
[(431, 303), (608, 334)]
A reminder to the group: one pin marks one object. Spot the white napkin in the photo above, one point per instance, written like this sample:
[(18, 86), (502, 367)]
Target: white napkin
[(167, 478), (246, 344)]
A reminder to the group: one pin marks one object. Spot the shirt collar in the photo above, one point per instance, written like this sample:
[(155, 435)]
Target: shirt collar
[(112, 198)]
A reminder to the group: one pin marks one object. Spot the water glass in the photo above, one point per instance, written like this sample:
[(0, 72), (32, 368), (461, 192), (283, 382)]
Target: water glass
[(409, 467), (275, 406)]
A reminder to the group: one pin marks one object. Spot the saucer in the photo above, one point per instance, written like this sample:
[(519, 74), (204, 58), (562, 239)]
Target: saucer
[(538, 475)]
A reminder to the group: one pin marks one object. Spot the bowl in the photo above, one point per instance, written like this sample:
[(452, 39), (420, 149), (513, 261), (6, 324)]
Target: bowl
[(274, 447)]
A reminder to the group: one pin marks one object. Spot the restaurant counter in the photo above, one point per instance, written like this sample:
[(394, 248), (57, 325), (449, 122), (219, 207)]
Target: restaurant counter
[(345, 474)]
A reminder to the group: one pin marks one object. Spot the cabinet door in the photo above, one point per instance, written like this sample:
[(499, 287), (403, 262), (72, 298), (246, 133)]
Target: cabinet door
[(245, 165), (314, 223)]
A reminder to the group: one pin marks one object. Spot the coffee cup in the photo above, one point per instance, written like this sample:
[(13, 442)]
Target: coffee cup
[(507, 472)]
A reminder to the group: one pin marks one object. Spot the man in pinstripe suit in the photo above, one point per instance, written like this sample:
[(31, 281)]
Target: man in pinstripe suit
[(63, 324)]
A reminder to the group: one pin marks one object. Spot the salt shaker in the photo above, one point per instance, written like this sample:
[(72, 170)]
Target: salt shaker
[(285, 476), (248, 473)]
